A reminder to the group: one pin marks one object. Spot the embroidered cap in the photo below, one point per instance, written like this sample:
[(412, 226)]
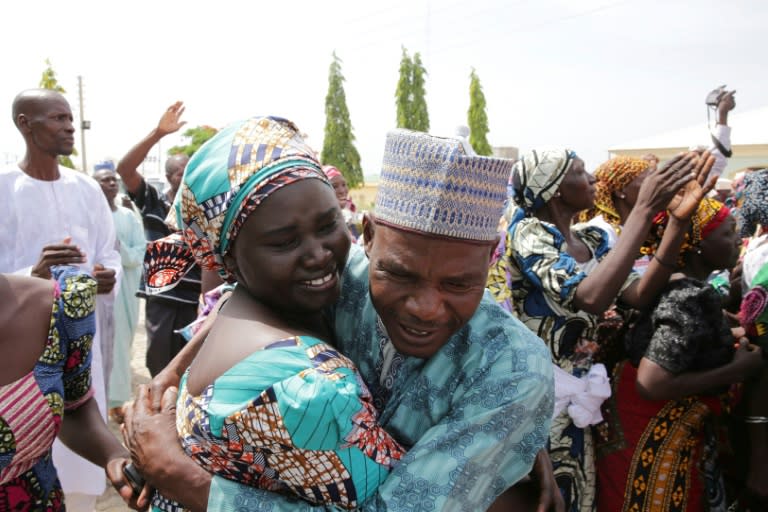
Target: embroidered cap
[(431, 185)]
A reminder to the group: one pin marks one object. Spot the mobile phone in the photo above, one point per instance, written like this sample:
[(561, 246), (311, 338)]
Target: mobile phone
[(134, 478)]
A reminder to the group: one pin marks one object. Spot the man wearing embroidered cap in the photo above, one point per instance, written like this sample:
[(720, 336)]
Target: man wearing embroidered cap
[(462, 385), (464, 382), (458, 376)]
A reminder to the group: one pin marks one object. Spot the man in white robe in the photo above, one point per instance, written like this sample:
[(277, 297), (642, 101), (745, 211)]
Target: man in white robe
[(52, 215)]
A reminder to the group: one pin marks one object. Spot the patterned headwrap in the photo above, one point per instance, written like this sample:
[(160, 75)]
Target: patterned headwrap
[(223, 183), (709, 215), (754, 208), (435, 186), (331, 171), (612, 176), (537, 175)]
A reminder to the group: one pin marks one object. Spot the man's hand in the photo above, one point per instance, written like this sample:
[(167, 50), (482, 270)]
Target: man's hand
[(116, 476), (150, 435), (105, 278), (63, 253), (171, 122)]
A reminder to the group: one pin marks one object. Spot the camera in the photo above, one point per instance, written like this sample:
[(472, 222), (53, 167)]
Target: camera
[(713, 98), (134, 478)]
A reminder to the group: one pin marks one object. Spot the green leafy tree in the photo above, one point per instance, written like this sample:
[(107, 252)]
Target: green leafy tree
[(339, 141), (419, 96), (403, 92), (477, 120), (410, 95), (49, 81), (197, 137)]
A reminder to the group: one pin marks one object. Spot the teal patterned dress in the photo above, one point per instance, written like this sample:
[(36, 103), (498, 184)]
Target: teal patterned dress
[(294, 417), (471, 418)]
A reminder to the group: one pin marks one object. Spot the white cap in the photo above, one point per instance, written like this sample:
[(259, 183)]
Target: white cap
[(462, 133)]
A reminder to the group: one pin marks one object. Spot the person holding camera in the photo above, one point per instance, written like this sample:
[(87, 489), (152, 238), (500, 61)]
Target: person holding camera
[(722, 101)]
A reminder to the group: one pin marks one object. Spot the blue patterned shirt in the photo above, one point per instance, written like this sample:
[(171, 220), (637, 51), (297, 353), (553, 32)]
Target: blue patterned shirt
[(472, 417)]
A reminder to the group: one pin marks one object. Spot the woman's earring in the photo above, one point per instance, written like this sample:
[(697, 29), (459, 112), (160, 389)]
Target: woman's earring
[(622, 196), (557, 194), (698, 251)]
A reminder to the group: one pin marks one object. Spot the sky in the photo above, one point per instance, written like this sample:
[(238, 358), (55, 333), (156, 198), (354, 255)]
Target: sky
[(585, 74)]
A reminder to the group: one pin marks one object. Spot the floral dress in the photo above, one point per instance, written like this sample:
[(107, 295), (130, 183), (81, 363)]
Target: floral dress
[(32, 407)]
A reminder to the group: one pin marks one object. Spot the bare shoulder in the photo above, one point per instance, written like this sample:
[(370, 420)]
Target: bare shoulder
[(24, 323), (230, 340), (23, 291)]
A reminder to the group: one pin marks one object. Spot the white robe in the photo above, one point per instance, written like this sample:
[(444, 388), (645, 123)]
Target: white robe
[(133, 245), (35, 213)]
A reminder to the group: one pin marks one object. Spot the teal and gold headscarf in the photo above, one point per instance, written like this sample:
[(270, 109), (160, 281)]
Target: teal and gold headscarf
[(223, 183)]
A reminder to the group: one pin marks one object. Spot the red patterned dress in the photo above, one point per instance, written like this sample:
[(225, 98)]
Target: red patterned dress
[(31, 408), (662, 455)]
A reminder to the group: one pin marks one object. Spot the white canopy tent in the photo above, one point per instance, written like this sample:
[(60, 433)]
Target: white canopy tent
[(749, 141)]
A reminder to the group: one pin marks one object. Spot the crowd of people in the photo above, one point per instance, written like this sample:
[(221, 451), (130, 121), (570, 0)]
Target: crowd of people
[(495, 335)]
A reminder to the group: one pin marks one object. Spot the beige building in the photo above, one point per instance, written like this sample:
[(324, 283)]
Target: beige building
[(749, 140), (510, 152)]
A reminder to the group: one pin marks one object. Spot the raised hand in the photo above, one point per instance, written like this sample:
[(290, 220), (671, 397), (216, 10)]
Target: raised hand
[(171, 121), (727, 102), (665, 181), (687, 198)]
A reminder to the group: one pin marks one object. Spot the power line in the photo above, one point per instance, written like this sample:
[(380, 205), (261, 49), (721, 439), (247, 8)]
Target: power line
[(464, 21)]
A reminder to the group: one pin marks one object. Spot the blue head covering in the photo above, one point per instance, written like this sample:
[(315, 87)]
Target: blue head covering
[(224, 181)]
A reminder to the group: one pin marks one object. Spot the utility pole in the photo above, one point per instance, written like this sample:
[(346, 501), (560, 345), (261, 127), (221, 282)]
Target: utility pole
[(84, 125)]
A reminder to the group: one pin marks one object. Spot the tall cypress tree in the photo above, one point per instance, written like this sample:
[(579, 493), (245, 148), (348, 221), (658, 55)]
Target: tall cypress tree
[(410, 95), (419, 111), (403, 91), (339, 141), (477, 120)]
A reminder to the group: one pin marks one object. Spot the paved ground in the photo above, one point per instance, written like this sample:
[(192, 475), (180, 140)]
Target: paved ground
[(110, 501)]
